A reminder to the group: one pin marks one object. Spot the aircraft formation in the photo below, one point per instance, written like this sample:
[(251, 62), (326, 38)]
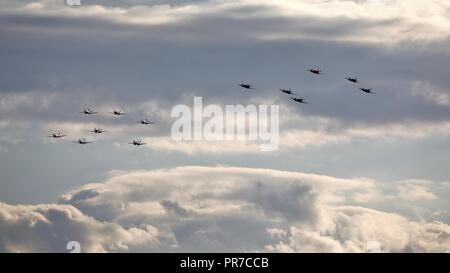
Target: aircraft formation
[(99, 131), (315, 71), (145, 121), (355, 80)]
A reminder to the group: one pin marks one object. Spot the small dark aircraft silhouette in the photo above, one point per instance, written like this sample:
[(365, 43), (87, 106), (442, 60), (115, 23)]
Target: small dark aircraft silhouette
[(145, 122), (367, 90), (315, 71), (287, 91), (99, 131), (117, 112), (88, 112), (56, 135), (82, 141), (354, 80), (246, 86), (299, 100), (137, 142)]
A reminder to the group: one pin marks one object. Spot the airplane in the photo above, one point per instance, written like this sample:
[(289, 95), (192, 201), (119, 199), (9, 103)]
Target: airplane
[(117, 112), (354, 80), (315, 71), (98, 131), (299, 100), (56, 135), (145, 122), (82, 141), (88, 112), (367, 90), (246, 86), (287, 91), (137, 142)]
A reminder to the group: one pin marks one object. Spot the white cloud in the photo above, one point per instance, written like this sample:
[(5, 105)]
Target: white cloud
[(429, 93), (168, 144), (43, 228), (415, 190), (381, 21), (14, 101), (357, 229), (309, 132), (217, 209)]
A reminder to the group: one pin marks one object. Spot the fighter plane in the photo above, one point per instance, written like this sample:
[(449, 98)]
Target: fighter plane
[(145, 122), (88, 112), (82, 141), (287, 91), (367, 90), (299, 100), (137, 142), (246, 86), (98, 131), (56, 135), (354, 80), (315, 71), (117, 112)]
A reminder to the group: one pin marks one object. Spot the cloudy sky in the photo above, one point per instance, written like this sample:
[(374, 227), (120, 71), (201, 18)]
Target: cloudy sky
[(353, 173)]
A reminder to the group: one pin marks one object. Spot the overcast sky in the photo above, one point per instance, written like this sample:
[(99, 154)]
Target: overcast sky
[(353, 172)]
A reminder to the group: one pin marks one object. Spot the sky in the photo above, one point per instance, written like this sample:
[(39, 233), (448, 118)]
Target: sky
[(354, 172)]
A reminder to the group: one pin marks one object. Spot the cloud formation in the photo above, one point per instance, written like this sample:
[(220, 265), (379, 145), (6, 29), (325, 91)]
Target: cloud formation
[(356, 229), (217, 209), (48, 228), (363, 21)]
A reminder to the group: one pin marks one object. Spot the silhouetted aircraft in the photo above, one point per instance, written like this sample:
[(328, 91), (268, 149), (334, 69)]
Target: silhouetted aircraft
[(355, 79), (145, 122), (299, 100), (82, 141), (315, 71), (246, 86), (117, 112), (99, 131), (88, 112), (367, 90), (287, 91), (137, 142), (56, 135)]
